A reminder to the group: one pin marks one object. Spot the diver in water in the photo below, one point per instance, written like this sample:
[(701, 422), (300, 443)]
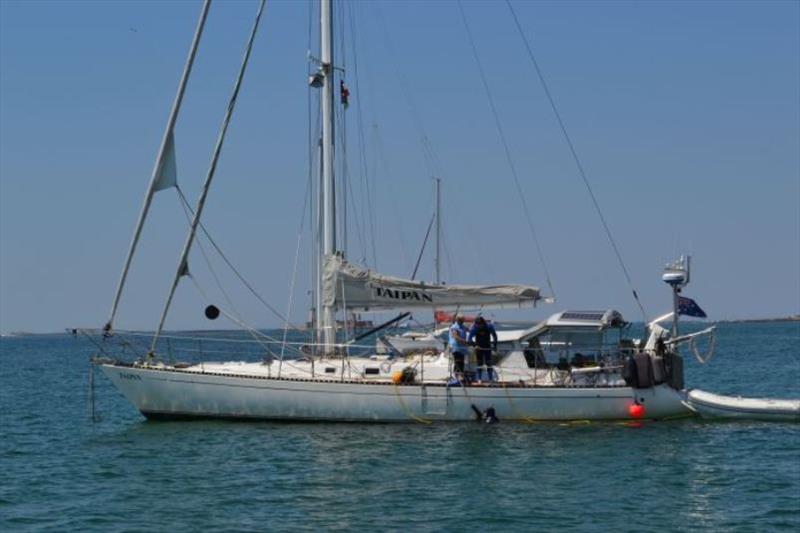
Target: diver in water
[(489, 416)]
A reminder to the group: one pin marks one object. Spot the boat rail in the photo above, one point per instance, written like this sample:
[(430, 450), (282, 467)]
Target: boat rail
[(200, 346)]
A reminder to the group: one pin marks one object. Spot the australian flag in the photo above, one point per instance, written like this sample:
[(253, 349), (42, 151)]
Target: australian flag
[(688, 307)]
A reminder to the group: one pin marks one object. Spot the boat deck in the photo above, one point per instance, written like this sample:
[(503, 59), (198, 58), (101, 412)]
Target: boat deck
[(434, 371)]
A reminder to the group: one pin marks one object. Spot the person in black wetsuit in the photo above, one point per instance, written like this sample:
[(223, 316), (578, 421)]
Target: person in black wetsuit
[(484, 337)]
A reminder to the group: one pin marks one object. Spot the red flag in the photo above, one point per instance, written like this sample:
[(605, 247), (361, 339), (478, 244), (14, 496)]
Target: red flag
[(344, 93)]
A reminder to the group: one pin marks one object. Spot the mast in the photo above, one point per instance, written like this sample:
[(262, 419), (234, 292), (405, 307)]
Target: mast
[(327, 203), (318, 259), (675, 314), (164, 152), (438, 258)]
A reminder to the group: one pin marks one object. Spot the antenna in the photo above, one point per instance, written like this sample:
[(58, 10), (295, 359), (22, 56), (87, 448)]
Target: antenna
[(677, 275)]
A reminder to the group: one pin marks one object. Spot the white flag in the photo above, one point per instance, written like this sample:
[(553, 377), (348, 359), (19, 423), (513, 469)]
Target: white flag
[(167, 169)]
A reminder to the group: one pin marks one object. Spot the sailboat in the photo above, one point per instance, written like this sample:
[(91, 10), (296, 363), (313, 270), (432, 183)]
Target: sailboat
[(577, 365)]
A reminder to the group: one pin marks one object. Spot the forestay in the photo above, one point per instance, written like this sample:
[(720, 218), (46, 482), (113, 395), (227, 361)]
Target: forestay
[(348, 286)]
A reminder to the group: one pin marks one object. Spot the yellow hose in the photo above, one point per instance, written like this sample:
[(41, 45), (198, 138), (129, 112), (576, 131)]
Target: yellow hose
[(405, 407), (523, 418)]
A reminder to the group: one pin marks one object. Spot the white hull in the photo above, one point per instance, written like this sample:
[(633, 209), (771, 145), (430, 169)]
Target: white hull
[(172, 393)]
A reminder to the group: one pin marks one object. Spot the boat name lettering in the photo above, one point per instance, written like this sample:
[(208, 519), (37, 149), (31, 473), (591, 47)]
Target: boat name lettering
[(134, 377), (397, 294)]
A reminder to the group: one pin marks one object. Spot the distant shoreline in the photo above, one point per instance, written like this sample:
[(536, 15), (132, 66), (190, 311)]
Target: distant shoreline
[(795, 318)]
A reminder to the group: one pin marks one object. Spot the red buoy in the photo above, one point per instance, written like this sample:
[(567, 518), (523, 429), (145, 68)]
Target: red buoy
[(636, 410)]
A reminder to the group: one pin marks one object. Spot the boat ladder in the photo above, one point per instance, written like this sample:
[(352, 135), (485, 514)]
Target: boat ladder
[(436, 401)]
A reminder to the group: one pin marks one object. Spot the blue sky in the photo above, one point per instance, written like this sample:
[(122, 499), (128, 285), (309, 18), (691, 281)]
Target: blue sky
[(686, 116)]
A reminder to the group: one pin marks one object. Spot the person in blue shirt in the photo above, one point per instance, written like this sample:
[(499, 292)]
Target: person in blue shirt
[(484, 337), (457, 340)]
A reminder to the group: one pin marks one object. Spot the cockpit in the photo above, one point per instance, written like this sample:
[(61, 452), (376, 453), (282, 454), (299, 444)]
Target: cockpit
[(577, 339)]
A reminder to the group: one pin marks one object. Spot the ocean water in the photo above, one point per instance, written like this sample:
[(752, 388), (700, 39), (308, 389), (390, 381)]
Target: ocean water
[(61, 472)]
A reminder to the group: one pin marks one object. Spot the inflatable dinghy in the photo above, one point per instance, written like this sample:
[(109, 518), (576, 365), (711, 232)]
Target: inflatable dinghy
[(710, 405)]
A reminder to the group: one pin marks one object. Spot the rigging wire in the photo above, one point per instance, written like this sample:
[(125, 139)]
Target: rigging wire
[(510, 160), (450, 263), (430, 155), (308, 204), (351, 209), (356, 216), (231, 340), (368, 191), (187, 210), (371, 201), (575, 157), (424, 243), (182, 264), (369, 216), (234, 316), (306, 196), (166, 141), (444, 248), (228, 262), (256, 334), (342, 116), (380, 151), (313, 199), (344, 180), (310, 101)]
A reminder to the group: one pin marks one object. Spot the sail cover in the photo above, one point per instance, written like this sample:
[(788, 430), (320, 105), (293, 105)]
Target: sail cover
[(348, 286)]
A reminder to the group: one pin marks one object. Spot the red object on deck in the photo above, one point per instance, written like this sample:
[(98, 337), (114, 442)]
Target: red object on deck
[(636, 410)]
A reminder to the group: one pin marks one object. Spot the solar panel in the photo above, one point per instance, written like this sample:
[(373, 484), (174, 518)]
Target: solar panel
[(593, 316)]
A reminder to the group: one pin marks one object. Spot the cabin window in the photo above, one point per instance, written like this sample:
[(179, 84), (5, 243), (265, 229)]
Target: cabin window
[(565, 347), (372, 371), (330, 370), (534, 355)]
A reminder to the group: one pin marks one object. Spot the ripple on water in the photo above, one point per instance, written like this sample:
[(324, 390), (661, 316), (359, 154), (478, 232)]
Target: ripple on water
[(59, 472)]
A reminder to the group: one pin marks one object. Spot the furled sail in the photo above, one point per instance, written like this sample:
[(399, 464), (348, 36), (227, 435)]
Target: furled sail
[(351, 287)]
